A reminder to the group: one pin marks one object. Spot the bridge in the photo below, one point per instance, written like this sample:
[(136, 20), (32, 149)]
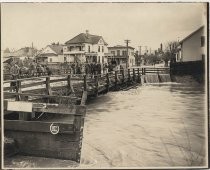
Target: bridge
[(51, 109)]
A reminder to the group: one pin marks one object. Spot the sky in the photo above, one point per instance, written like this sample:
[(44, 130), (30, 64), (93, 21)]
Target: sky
[(144, 24)]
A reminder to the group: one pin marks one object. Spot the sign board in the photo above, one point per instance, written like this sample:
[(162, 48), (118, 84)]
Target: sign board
[(19, 106)]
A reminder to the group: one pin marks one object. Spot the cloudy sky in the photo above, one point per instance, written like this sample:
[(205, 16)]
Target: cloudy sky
[(145, 24)]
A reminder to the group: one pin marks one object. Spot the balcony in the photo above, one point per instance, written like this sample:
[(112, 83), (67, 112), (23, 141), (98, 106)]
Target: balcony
[(91, 53), (74, 52)]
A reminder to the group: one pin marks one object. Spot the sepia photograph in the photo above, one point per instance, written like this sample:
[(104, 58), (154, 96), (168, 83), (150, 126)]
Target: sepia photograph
[(104, 85)]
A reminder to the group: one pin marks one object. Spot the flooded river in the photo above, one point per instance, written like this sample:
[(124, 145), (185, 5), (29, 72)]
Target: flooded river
[(152, 125)]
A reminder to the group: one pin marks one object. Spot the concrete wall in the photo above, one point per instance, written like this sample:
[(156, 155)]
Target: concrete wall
[(191, 48)]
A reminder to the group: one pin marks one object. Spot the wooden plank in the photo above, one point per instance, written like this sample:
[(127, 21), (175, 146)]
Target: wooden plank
[(32, 84), (47, 145), (58, 80), (37, 126), (53, 108), (84, 98)]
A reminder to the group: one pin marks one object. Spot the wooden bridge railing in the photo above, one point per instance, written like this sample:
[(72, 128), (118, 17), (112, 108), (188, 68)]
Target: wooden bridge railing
[(65, 85)]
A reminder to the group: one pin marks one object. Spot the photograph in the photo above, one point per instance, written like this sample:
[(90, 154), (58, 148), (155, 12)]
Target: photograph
[(104, 85)]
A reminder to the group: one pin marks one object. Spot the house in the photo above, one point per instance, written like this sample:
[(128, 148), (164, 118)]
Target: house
[(26, 52), (192, 47), (120, 55), (86, 48), (51, 54)]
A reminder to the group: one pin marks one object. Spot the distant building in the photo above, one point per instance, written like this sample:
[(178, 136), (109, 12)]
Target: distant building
[(51, 54), (21, 54), (86, 48), (120, 55), (192, 47)]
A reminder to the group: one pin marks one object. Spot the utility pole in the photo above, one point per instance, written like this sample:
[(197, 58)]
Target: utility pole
[(146, 49), (127, 58), (139, 50)]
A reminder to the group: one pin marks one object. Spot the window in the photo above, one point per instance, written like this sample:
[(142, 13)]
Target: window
[(124, 53), (102, 48), (64, 59), (202, 41), (88, 48), (50, 59), (118, 52), (113, 52), (98, 48), (103, 59), (99, 59)]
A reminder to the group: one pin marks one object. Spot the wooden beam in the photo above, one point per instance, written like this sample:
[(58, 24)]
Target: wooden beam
[(37, 126), (84, 98), (51, 108)]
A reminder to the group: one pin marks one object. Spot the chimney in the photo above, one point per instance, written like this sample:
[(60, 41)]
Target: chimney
[(87, 33)]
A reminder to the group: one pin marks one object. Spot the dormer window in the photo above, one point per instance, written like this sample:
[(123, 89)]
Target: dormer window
[(98, 48)]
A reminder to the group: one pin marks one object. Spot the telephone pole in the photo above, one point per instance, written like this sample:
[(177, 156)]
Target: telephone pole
[(139, 50), (127, 58)]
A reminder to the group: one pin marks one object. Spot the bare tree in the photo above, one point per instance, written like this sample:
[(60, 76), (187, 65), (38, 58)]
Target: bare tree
[(170, 51)]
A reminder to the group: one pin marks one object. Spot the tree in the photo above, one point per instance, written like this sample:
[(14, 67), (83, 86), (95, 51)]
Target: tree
[(170, 51)]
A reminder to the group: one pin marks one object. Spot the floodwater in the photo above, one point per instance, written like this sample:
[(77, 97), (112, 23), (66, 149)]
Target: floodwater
[(154, 125), (150, 126)]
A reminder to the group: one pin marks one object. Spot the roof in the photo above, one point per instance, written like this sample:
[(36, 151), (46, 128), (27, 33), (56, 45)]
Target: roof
[(85, 38), (58, 49), (192, 34), (120, 46)]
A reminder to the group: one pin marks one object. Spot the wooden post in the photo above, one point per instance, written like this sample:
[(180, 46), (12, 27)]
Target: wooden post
[(123, 75), (85, 82), (115, 78), (96, 84), (134, 74), (18, 89), (108, 81), (129, 75), (70, 87), (139, 78), (48, 88), (22, 115)]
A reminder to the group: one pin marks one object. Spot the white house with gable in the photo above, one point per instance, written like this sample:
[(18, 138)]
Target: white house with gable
[(86, 48)]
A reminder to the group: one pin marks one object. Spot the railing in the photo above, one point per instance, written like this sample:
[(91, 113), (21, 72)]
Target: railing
[(67, 84)]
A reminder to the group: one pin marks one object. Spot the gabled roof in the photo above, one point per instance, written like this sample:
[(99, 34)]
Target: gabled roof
[(57, 48), (85, 38), (192, 34), (120, 46)]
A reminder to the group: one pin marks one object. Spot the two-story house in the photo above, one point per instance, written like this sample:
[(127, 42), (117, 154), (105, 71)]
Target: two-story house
[(86, 48), (120, 55)]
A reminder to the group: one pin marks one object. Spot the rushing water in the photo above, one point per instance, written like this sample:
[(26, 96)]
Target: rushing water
[(151, 126)]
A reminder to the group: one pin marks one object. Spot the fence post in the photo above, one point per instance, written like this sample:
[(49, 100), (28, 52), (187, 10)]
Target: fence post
[(96, 84), (70, 87), (115, 73), (134, 74), (85, 82), (123, 75), (48, 88), (18, 89), (129, 75), (108, 81), (139, 75)]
